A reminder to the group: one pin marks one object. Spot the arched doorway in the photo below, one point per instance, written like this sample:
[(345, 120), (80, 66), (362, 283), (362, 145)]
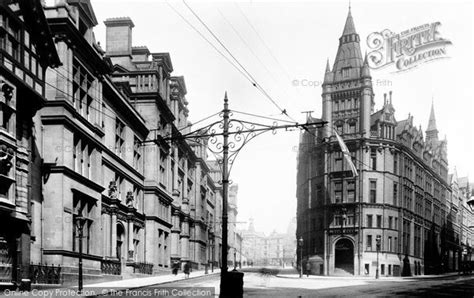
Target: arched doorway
[(344, 256)]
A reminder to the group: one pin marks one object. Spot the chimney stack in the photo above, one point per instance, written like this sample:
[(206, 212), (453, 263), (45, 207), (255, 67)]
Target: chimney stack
[(119, 36)]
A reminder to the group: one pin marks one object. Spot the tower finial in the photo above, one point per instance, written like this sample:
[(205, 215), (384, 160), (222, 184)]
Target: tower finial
[(349, 6), (432, 131), (349, 27)]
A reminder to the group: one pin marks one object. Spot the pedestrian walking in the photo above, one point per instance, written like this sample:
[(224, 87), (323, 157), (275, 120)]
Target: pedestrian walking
[(186, 270), (308, 269), (175, 267)]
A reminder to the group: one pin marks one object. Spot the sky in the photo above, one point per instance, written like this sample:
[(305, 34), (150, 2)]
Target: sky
[(287, 54)]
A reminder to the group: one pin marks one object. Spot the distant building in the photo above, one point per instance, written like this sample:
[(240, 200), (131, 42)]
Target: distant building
[(276, 249), (402, 209), (253, 244)]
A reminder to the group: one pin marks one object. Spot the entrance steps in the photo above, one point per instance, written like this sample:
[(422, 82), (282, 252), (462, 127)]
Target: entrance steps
[(342, 272)]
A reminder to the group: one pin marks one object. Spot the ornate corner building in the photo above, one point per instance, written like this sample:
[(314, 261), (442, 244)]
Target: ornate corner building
[(403, 213)]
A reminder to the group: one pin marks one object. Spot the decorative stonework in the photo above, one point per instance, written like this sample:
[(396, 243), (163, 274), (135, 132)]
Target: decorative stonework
[(6, 156), (130, 199), (113, 192)]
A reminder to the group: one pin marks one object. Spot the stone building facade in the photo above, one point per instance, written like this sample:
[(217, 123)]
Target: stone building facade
[(402, 194), (145, 203), (26, 50), (275, 249)]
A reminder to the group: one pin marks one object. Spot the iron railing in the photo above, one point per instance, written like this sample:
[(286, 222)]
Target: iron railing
[(144, 268), (45, 274), (111, 267)]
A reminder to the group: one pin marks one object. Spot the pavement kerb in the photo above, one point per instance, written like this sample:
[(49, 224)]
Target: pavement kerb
[(372, 278), (131, 287)]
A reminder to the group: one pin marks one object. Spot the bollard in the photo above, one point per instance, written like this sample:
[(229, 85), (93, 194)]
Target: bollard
[(233, 284), (25, 285)]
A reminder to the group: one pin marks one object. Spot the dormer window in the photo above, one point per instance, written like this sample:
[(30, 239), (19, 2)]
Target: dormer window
[(345, 72)]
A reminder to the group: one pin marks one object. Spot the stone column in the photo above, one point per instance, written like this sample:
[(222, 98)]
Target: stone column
[(113, 245), (176, 191), (105, 235), (366, 107), (327, 110), (175, 230), (131, 249), (185, 240), (167, 253)]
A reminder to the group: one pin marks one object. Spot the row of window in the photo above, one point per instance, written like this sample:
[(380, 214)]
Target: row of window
[(392, 222), (346, 128), (391, 244), (163, 260), (85, 93), (387, 131), (391, 269), (346, 194), (84, 207), (17, 43), (348, 104)]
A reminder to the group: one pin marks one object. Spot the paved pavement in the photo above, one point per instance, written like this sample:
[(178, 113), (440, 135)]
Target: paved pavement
[(287, 283), (382, 278), (265, 285), (142, 282)]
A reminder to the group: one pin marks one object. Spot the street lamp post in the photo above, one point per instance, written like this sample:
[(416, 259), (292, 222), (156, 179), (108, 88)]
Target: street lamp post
[(300, 244), (235, 134), (378, 250), (212, 254), (80, 220), (235, 258)]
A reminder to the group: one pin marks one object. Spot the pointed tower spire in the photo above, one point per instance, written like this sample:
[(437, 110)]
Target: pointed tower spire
[(328, 68), (328, 74), (432, 131), (349, 28), (349, 56), (432, 121), (365, 67)]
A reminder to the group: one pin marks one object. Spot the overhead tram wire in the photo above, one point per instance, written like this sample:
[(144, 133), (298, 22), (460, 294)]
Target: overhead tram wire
[(266, 45), (253, 52), (253, 80), (70, 96), (248, 46), (191, 125), (208, 41), (263, 117)]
